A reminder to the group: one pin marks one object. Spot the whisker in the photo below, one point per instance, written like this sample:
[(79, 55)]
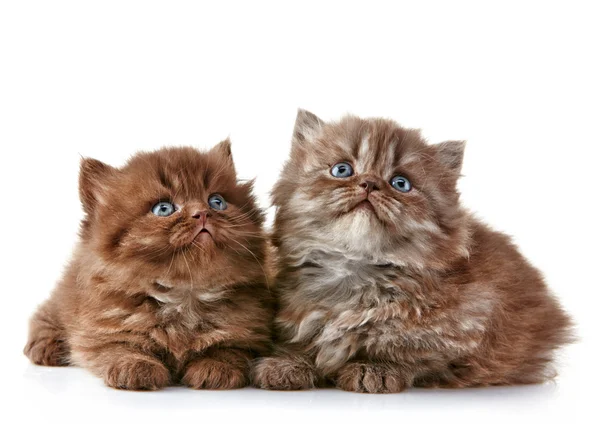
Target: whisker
[(256, 259), (189, 269)]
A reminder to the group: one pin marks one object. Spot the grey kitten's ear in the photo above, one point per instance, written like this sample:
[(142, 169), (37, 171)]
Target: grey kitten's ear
[(93, 176), (308, 126), (450, 154), (223, 152)]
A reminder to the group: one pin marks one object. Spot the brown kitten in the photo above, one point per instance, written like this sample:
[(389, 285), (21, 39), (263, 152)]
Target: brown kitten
[(167, 283), (385, 282)]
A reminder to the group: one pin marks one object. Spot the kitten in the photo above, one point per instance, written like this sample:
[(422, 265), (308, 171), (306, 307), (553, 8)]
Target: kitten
[(385, 282), (167, 283)]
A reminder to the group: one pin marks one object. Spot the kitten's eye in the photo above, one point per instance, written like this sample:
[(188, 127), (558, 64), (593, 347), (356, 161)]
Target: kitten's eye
[(401, 183), (163, 209), (342, 170), (217, 202)]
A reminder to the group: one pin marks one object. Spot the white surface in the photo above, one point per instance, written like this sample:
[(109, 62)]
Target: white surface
[(518, 80)]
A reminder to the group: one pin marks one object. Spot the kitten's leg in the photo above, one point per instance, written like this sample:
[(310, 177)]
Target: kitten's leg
[(285, 371), (122, 366), (46, 344), (218, 368), (477, 372), (369, 377)]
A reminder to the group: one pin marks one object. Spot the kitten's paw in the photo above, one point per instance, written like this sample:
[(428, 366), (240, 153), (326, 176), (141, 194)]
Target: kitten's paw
[(137, 374), (282, 373), (211, 374), (369, 378), (49, 351)]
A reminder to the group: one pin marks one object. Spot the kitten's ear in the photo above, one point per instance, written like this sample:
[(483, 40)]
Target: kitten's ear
[(93, 175), (450, 154), (223, 151), (308, 126)]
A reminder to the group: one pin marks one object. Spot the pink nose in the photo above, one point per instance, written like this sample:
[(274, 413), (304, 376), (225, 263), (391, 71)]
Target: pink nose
[(369, 186), (201, 215)]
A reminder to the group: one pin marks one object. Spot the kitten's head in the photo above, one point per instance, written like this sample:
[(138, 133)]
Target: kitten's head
[(176, 214), (370, 188)]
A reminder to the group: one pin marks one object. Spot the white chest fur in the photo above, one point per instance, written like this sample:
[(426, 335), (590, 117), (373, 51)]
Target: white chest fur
[(183, 300)]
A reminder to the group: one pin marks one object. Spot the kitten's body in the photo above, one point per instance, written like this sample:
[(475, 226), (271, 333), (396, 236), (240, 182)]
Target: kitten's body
[(142, 304), (409, 291)]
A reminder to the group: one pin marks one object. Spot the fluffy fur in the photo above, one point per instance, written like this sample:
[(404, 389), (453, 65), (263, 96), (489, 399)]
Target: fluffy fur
[(148, 301), (380, 290)]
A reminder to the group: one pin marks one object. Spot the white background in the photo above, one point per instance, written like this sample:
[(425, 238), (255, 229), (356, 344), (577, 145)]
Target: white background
[(518, 80)]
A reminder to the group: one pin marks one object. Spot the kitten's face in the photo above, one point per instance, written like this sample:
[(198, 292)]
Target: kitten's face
[(368, 187), (175, 212)]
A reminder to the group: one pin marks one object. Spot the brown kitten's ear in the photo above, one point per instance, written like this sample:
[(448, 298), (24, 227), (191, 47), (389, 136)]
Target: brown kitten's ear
[(93, 175), (450, 154), (223, 151), (308, 126)]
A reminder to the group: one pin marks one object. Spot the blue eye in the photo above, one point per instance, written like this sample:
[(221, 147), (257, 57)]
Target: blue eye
[(163, 209), (217, 202), (401, 183), (342, 170)]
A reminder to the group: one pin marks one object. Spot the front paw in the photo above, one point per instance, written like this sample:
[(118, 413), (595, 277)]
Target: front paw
[(51, 352), (369, 378), (137, 374), (212, 374), (283, 373)]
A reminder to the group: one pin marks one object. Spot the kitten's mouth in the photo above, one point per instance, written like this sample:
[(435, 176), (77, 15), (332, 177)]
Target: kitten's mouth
[(201, 233), (365, 205)]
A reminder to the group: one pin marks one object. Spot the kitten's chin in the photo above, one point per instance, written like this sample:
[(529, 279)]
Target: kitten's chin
[(359, 231)]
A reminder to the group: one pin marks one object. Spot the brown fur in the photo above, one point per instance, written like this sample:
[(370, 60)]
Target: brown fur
[(144, 303), (410, 290)]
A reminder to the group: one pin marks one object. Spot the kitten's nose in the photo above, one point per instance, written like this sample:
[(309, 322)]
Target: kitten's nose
[(369, 185), (201, 215)]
